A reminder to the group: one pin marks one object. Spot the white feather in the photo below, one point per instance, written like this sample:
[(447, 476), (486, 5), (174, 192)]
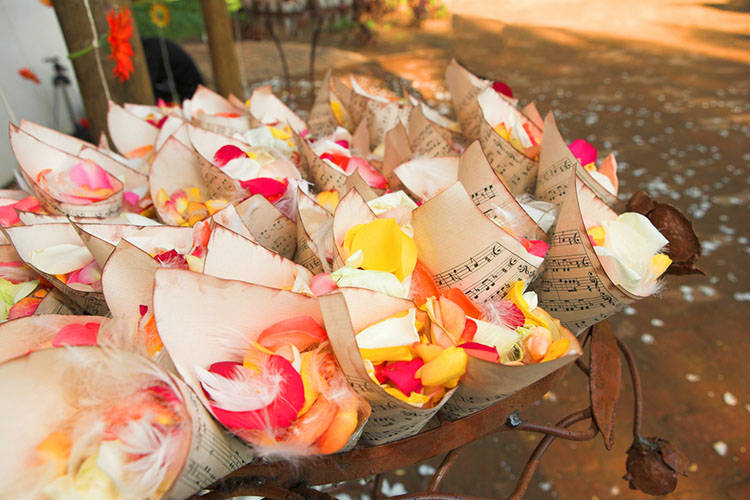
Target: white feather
[(244, 392)]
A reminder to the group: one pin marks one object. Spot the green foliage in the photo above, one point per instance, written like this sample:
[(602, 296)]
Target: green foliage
[(186, 19)]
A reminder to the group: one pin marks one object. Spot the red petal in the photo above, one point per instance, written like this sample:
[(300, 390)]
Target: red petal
[(460, 299), (538, 248), (336, 158), (28, 204), (301, 331), (271, 189), (481, 351), (172, 259), (585, 152), (143, 309), (280, 413), (8, 216), (369, 174), (343, 143), (470, 329), (227, 153), (502, 88), (24, 307), (77, 334), (401, 374)]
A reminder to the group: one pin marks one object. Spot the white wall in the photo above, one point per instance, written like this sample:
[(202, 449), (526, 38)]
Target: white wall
[(28, 33)]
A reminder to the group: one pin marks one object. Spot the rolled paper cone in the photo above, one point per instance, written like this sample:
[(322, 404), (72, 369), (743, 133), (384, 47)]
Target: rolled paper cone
[(204, 320), (482, 262), (574, 287), (35, 156), (322, 120), (448, 128), (132, 180), (317, 171), (55, 303), (227, 125), (101, 239), (488, 192), (38, 401), (104, 142), (361, 139), (355, 105), (142, 111), (464, 88), (354, 181), (235, 101), (397, 151), (531, 112), (176, 167), (32, 218), (382, 117), (347, 312), (351, 210), (555, 162), (230, 256), (206, 104), (268, 109), (229, 218), (272, 229), (129, 132), (207, 143), (68, 143), (425, 137), (314, 236), (486, 383), (425, 178), (518, 171), (26, 239), (23, 335), (173, 126)]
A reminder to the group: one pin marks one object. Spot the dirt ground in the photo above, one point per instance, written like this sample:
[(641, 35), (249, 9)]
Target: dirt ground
[(665, 85)]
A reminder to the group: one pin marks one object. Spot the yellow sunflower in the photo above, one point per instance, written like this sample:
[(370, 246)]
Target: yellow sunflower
[(159, 14)]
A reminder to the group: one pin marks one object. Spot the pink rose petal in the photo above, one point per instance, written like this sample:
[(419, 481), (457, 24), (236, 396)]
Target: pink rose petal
[(131, 197), (371, 176), (87, 275), (585, 152), (77, 334), (322, 284), (481, 351), (227, 153), (538, 248), (89, 174), (271, 189)]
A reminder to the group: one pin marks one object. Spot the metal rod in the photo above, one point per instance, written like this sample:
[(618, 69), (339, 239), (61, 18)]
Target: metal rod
[(282, 55), (635, 377), (534, 460), (445, 466), (377, 486)]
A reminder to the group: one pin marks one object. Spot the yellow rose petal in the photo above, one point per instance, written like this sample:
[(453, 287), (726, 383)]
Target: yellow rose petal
[(414, 398), (445, 369), (556, 349), (328, 199), (659, 263), (381, 354), (597, 234), (515, 295)]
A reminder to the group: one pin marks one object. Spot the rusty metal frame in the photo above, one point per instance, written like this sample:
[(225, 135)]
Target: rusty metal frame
[(284, 480)]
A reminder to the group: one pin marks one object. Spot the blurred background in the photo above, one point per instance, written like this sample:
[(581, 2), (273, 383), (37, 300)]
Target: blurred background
[(662, 83)]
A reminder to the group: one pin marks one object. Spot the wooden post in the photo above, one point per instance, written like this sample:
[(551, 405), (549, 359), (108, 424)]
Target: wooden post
[(221, 44), (74, 22)]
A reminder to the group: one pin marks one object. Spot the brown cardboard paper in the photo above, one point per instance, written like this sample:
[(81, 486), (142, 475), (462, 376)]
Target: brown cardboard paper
[(425, 137), (268, 225), (464, 88), (322, 120)]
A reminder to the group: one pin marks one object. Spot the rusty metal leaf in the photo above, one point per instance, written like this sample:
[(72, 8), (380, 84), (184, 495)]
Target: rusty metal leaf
[(684, 247), (650, 466), (675, 458), (604, 380)]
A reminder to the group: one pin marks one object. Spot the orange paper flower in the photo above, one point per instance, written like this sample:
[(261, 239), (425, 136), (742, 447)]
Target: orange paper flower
[(120, 32), (29, 75)]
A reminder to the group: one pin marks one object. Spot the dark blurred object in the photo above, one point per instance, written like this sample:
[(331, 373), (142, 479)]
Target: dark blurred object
[(186, 74), (653, 464), (61, 82), (684, 246)]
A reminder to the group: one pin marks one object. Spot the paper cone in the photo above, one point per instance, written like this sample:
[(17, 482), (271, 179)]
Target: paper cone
[(397, 151), (55, 303), (351, 210), (128, 132), (356, 182), (143, 111), (207, 143), (34, 156), (218, 319), (488, 192), (26, 239), (347, 312), (31, 218), (464, 88), (269, 110), (425, 137), (206, 104), (447, 128), (230, 256), (172, 126), (24, 335), (132, 180), (68, 143), (517, 170), (382, 117), (39, 401), (272, 229), (555, 161), (574, 286), (354, 104), (482, 261), (532, 113), (101, 239), (229, 218), (176, 167), (314, 237), (486, 383), (322, 175), (425, 178), (322, 120), (361, 141)]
